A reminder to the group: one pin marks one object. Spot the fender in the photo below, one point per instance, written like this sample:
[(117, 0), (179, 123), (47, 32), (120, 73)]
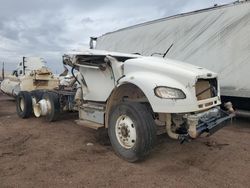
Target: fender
[(148, 81)]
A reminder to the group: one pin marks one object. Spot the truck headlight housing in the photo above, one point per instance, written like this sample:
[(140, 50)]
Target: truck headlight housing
[(169, 93)]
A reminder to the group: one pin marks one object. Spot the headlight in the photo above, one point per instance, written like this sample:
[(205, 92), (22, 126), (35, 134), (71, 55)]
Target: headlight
[(169, 93)]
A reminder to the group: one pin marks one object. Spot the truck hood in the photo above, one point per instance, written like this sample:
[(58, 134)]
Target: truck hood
[(175, 69)]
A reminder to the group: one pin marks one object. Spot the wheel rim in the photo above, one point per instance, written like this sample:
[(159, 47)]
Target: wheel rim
[(48, 105), (125, 132), (21, 104)]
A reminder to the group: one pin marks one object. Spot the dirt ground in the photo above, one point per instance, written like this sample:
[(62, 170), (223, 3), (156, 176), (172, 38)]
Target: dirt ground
[(34, 153)]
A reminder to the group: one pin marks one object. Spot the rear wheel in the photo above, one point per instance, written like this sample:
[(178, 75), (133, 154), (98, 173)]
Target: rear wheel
[(24, 104), (37, 94), (131, 131), (52, 100)]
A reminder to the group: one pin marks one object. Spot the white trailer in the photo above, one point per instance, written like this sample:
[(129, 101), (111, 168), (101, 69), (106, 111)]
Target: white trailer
[(217, 38)]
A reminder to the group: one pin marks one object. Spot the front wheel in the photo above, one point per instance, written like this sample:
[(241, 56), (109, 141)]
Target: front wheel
[(132, 131)]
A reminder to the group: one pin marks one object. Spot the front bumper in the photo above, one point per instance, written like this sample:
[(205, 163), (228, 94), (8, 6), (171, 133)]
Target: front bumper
[(214, 124), (207, 122)]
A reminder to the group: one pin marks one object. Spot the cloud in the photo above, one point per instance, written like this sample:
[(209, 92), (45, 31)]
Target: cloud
[(50, 28)]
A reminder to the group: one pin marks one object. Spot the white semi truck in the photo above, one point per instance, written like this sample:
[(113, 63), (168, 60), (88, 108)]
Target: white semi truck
[(136, 97), (217, 38)]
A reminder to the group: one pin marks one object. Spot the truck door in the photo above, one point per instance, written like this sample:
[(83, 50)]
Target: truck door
[(100, 83)]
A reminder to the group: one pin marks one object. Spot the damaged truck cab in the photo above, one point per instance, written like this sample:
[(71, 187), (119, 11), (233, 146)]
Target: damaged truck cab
[(137, 97)]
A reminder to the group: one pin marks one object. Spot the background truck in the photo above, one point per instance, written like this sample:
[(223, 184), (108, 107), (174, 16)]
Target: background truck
[(135, 98), (217, 38), (31, 74)]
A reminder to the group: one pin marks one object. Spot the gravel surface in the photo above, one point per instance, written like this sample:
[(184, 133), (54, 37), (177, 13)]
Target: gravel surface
[(34, 153)]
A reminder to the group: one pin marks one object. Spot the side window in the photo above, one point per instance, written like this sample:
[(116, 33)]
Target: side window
[(20, 64), (20, 72), (14, 73)]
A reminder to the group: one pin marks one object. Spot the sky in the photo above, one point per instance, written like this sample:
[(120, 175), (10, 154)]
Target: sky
[(50, 28)]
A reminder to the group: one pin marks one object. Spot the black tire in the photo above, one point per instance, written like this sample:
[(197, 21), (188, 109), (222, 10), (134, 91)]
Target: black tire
[(24, 104), (55, 106), (37, 94), (102, 137), (145, 128)]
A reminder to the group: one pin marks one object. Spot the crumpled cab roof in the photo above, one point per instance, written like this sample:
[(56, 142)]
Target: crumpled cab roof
[(94, 57)]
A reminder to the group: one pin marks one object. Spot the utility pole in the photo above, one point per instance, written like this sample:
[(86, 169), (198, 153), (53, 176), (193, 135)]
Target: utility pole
[(3, 71)]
